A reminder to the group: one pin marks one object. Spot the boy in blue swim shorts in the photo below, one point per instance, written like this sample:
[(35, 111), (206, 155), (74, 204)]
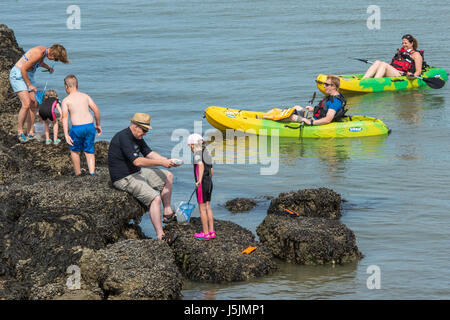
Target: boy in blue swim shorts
[(81, 136)]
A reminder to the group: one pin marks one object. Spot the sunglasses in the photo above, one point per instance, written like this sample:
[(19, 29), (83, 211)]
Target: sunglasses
[(408, 37), (145, 130), (327, 84)]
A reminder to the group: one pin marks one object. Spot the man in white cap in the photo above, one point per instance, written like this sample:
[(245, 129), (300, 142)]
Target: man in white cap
[(129, 157)]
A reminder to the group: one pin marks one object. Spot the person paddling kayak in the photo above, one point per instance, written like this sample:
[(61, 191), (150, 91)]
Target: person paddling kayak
[(330, 108), (21, 79), (407, 61)]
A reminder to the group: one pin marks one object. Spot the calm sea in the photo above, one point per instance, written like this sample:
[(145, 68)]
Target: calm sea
[(173, 59)]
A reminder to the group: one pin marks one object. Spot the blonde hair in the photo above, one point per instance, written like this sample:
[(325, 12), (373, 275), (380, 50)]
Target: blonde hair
[(50, 94), (198, 146), (71, 81), (334, 80), (59, 53)]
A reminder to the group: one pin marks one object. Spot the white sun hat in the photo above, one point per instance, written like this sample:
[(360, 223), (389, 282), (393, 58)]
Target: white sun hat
[(195, 138)]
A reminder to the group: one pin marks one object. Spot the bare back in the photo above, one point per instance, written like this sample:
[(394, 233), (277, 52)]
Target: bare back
[(78, 107)]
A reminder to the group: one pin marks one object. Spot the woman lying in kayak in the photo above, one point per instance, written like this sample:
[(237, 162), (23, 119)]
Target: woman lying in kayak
[(407, 60)]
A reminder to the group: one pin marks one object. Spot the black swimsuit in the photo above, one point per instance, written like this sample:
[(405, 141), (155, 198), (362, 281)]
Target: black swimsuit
[(205, 188), (47, 109)]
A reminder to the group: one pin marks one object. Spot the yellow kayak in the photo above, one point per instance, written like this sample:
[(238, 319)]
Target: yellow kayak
[(252, 122), (354, 83)]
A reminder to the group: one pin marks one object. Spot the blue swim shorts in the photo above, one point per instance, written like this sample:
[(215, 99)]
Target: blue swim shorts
[(83, 137), (17, 82)]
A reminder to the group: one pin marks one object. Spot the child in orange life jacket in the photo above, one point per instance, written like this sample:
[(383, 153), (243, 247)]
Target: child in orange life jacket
[(47, 109), (328, 110), (203, 173)]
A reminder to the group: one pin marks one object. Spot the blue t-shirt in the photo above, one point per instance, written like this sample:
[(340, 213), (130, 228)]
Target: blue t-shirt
[(124, 148), (335, 105)]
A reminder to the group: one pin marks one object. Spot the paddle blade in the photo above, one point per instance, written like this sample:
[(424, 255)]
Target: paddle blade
[(363, 60), (313, 98), (434, 83)]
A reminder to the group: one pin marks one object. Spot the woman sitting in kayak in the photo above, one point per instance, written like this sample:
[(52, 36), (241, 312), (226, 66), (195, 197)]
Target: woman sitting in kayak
[(407, 61)]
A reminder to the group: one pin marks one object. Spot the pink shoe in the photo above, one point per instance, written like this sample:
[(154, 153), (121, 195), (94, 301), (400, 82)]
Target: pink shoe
[(202, 236), (212, 234)]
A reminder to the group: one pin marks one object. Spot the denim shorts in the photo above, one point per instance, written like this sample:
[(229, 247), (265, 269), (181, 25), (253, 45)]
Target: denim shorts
[(17, 82)]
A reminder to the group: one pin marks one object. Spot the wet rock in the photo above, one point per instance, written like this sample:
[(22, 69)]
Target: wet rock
[(53, 161), (8, 129), (309, 241), (11, 289), (10, 53), (110, 209), (220, 259), (9, 167), (321, 203), (132, 269), (240, 205), (44, 243)]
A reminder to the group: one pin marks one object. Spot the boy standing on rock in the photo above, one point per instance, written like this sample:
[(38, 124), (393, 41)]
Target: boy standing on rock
[(82, 133)]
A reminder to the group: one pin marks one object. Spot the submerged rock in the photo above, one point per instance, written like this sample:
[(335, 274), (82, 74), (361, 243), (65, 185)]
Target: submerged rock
[(321, 203), (309, 241), (220, 259), (132, 269), (240, 205)]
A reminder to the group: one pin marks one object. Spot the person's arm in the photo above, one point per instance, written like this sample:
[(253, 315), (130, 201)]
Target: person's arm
[(211, 172), (65, 122), (325, 120), (58, 107), (46, 66), (25, 77), (155, 155), (34, 57), (201, 169), (96, 111), (151, 161), (418, 62)]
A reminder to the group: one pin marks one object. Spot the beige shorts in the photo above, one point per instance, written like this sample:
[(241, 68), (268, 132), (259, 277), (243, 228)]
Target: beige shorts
[(144, 185)]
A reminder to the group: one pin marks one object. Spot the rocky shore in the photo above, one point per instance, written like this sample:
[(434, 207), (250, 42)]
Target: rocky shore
[(57, 230)]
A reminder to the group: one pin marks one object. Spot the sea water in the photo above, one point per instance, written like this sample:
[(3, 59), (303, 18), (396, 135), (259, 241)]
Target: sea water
[(173, 59)]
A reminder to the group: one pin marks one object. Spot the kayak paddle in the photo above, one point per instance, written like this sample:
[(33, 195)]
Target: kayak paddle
[(434, 83), (306, 113)]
